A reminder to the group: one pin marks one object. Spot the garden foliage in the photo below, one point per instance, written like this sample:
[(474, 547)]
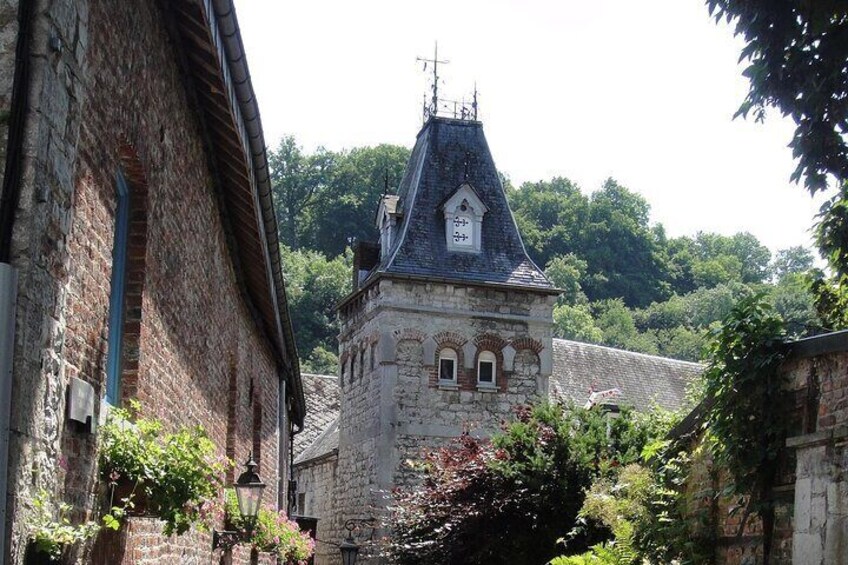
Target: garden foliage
[(510, 499)]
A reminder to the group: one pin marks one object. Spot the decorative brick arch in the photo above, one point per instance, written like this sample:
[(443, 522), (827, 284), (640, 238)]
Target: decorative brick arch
[(494, 344), (411, 334), (455, 341), (533, 345), (136, 264)]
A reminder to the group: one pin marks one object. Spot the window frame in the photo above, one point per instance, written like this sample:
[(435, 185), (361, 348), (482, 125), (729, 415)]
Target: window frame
[(487, 356), (448, 354), (117, 292)]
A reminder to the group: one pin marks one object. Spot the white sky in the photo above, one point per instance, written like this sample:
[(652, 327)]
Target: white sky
[(640, 91)]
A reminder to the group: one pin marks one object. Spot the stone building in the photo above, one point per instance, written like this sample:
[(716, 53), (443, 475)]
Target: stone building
[(448, 328), (138, 254)]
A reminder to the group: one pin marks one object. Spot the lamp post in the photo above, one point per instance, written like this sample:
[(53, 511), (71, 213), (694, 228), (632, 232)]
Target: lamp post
[(249, 488), (349, 547)]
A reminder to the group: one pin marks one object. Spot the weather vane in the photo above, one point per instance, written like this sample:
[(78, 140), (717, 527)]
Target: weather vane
[(460, 110)]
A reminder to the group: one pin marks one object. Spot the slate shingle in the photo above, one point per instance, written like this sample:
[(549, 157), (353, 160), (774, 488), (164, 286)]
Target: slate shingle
[(322, 407), (447, 153), (644, 380)]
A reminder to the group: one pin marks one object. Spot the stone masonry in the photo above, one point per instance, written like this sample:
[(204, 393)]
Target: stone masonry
[(392, 405)]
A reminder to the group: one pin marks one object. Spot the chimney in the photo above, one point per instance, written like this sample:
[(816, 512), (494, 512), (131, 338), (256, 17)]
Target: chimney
[(366, 256)]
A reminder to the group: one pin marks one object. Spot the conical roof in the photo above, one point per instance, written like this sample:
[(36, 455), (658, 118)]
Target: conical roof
[(448, 154)]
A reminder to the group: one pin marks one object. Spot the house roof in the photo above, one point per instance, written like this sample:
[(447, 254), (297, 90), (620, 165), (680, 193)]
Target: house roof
[(448, 153), (644, 380), (208, 39), (322, 408), (326, 444)]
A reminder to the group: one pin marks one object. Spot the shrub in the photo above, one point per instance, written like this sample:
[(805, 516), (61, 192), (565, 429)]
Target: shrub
[(508, 500)]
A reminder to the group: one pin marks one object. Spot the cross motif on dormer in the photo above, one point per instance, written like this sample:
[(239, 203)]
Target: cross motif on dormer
[(460, 221), (457, 237)]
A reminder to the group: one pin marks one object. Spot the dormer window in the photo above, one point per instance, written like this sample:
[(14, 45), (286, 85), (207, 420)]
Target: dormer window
[(388, 216), (464, 212)]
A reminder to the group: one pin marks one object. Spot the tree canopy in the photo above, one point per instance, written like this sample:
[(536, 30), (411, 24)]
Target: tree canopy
[(626, 283)]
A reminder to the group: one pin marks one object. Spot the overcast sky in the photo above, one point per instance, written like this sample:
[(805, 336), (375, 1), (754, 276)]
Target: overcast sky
[(643, 92)]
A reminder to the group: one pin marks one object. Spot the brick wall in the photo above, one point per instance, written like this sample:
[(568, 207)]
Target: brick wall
[(114, 97), (811, 502)]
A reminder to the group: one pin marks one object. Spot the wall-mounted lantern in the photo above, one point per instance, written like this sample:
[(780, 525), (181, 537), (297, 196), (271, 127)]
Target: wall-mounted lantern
[(249, 488)]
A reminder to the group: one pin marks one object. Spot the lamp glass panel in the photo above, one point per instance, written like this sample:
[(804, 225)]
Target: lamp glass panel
[(249, 497), (349, 552)]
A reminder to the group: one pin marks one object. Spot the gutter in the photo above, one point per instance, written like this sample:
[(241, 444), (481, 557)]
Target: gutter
[(223, 16), (9, 199)]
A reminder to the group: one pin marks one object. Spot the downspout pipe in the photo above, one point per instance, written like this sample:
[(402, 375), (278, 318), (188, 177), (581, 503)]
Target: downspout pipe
[(9, 198), (17, 121)]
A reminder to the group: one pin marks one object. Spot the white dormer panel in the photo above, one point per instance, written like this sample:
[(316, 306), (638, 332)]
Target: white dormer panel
[(464, 220), (387, 219)]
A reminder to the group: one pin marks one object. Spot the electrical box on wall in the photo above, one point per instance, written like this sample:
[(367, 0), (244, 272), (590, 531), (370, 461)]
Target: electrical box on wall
[(81, 404)]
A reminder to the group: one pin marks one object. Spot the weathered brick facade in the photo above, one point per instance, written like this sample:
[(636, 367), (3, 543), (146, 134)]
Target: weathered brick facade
[(109, 92), (811, 512)]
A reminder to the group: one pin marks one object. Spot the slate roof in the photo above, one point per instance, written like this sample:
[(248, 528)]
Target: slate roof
[(325, 444), (644, 380), (322, 408), (447, 153)]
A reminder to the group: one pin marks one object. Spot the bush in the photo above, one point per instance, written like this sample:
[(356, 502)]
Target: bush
[(510, 499)]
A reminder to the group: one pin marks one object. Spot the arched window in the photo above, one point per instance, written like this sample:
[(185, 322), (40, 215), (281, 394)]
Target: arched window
[(486, 365), (117, 304), (447, 365)]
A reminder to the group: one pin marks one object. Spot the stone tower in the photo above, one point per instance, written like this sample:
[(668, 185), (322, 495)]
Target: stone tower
[(449, 325)]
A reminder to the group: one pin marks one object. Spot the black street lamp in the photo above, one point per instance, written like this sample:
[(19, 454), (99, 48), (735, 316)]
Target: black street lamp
[(349, 548), (249, 488)]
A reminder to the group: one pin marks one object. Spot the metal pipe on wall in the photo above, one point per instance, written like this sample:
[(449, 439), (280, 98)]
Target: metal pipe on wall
[(8, 298)]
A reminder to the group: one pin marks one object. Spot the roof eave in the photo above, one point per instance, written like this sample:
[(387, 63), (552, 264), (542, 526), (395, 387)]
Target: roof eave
[(225, 38)]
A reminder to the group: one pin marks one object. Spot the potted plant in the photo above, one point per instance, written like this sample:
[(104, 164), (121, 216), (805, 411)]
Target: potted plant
[(173, 476), (51, 531)]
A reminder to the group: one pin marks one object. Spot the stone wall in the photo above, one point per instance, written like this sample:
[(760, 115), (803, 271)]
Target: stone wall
[(111, 96), (821, 495), (392, 404), (316, 480), (8, 40)]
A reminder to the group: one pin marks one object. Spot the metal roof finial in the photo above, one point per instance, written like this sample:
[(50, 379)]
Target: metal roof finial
[(434, 104)]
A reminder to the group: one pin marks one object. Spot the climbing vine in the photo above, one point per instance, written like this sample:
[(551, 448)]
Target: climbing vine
[(747, 406)]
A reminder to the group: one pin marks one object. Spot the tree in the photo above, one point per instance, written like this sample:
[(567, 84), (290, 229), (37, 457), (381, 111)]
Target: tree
[(796, 53), (619, 329), (345, 209), (623, 255), (315, 285), (297, 180), (566, 272), (551, 216), (793, 260), (576, 323)]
